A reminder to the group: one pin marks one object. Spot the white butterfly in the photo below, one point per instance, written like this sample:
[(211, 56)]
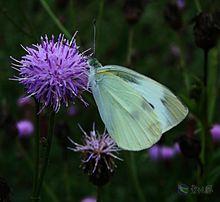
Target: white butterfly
[(135, 109)]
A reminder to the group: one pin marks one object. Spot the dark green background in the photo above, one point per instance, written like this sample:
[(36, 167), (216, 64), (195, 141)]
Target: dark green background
[(24, 22)]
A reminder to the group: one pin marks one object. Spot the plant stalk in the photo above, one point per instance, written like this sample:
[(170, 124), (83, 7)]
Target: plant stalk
[(36, 150), (135, 178), (99, 194), (205, 107), (47, 153), (198, 6)]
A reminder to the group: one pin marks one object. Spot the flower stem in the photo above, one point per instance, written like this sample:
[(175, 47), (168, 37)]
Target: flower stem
[(205, 118), (99, 193), (28, 161), (198, 6), (47, 152), (135, 178), (55, 19), (36, 151), (67, 178)]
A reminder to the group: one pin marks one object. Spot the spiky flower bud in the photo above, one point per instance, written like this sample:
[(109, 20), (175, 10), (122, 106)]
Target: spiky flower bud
[(133, 10), (206, 30), (98, 155)]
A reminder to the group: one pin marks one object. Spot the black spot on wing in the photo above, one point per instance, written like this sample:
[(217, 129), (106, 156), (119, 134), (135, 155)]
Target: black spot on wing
[(145, 105), (163, 101), (152, 106)]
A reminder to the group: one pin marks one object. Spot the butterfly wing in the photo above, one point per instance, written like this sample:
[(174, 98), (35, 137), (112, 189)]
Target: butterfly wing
[(168, 108), (127, 115)]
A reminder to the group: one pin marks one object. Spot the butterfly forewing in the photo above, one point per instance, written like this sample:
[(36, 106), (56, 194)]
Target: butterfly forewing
[(127, 115), (167, 106)]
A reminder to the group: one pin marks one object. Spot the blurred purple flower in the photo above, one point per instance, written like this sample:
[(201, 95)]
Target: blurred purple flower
[(23, 101), (53, 71), (215, 132), (89, 199), (167, 152), (72, 111), (25, 128), (158, 152), (181, 4), (176, 148), (175, 50), (154, 152)]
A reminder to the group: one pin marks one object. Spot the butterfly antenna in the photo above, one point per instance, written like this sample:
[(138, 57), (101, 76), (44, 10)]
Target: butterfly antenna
[(94, 36)]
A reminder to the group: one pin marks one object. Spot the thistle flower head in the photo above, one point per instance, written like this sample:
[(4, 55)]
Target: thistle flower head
[(53, 71), (98, 155)]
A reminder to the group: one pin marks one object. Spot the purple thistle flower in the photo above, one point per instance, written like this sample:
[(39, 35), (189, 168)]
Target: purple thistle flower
[(98, 155), (215, 132), (89, 199), (158, 152), (53, 71), (181, 4), (25, 128)]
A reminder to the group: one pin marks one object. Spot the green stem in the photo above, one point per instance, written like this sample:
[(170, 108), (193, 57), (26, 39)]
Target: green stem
[(182, 64), (55, 19), (198, 6), (99, 194), (205, 118), (47, 189), (47, 153), (66, 179), (36, 151), (135, 178), (130, 44)]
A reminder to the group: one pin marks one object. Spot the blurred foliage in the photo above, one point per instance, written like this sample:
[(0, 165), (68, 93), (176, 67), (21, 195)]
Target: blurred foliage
[(158, 50)]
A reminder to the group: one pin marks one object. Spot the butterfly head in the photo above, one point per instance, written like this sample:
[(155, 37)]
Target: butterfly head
[(94, 63)]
